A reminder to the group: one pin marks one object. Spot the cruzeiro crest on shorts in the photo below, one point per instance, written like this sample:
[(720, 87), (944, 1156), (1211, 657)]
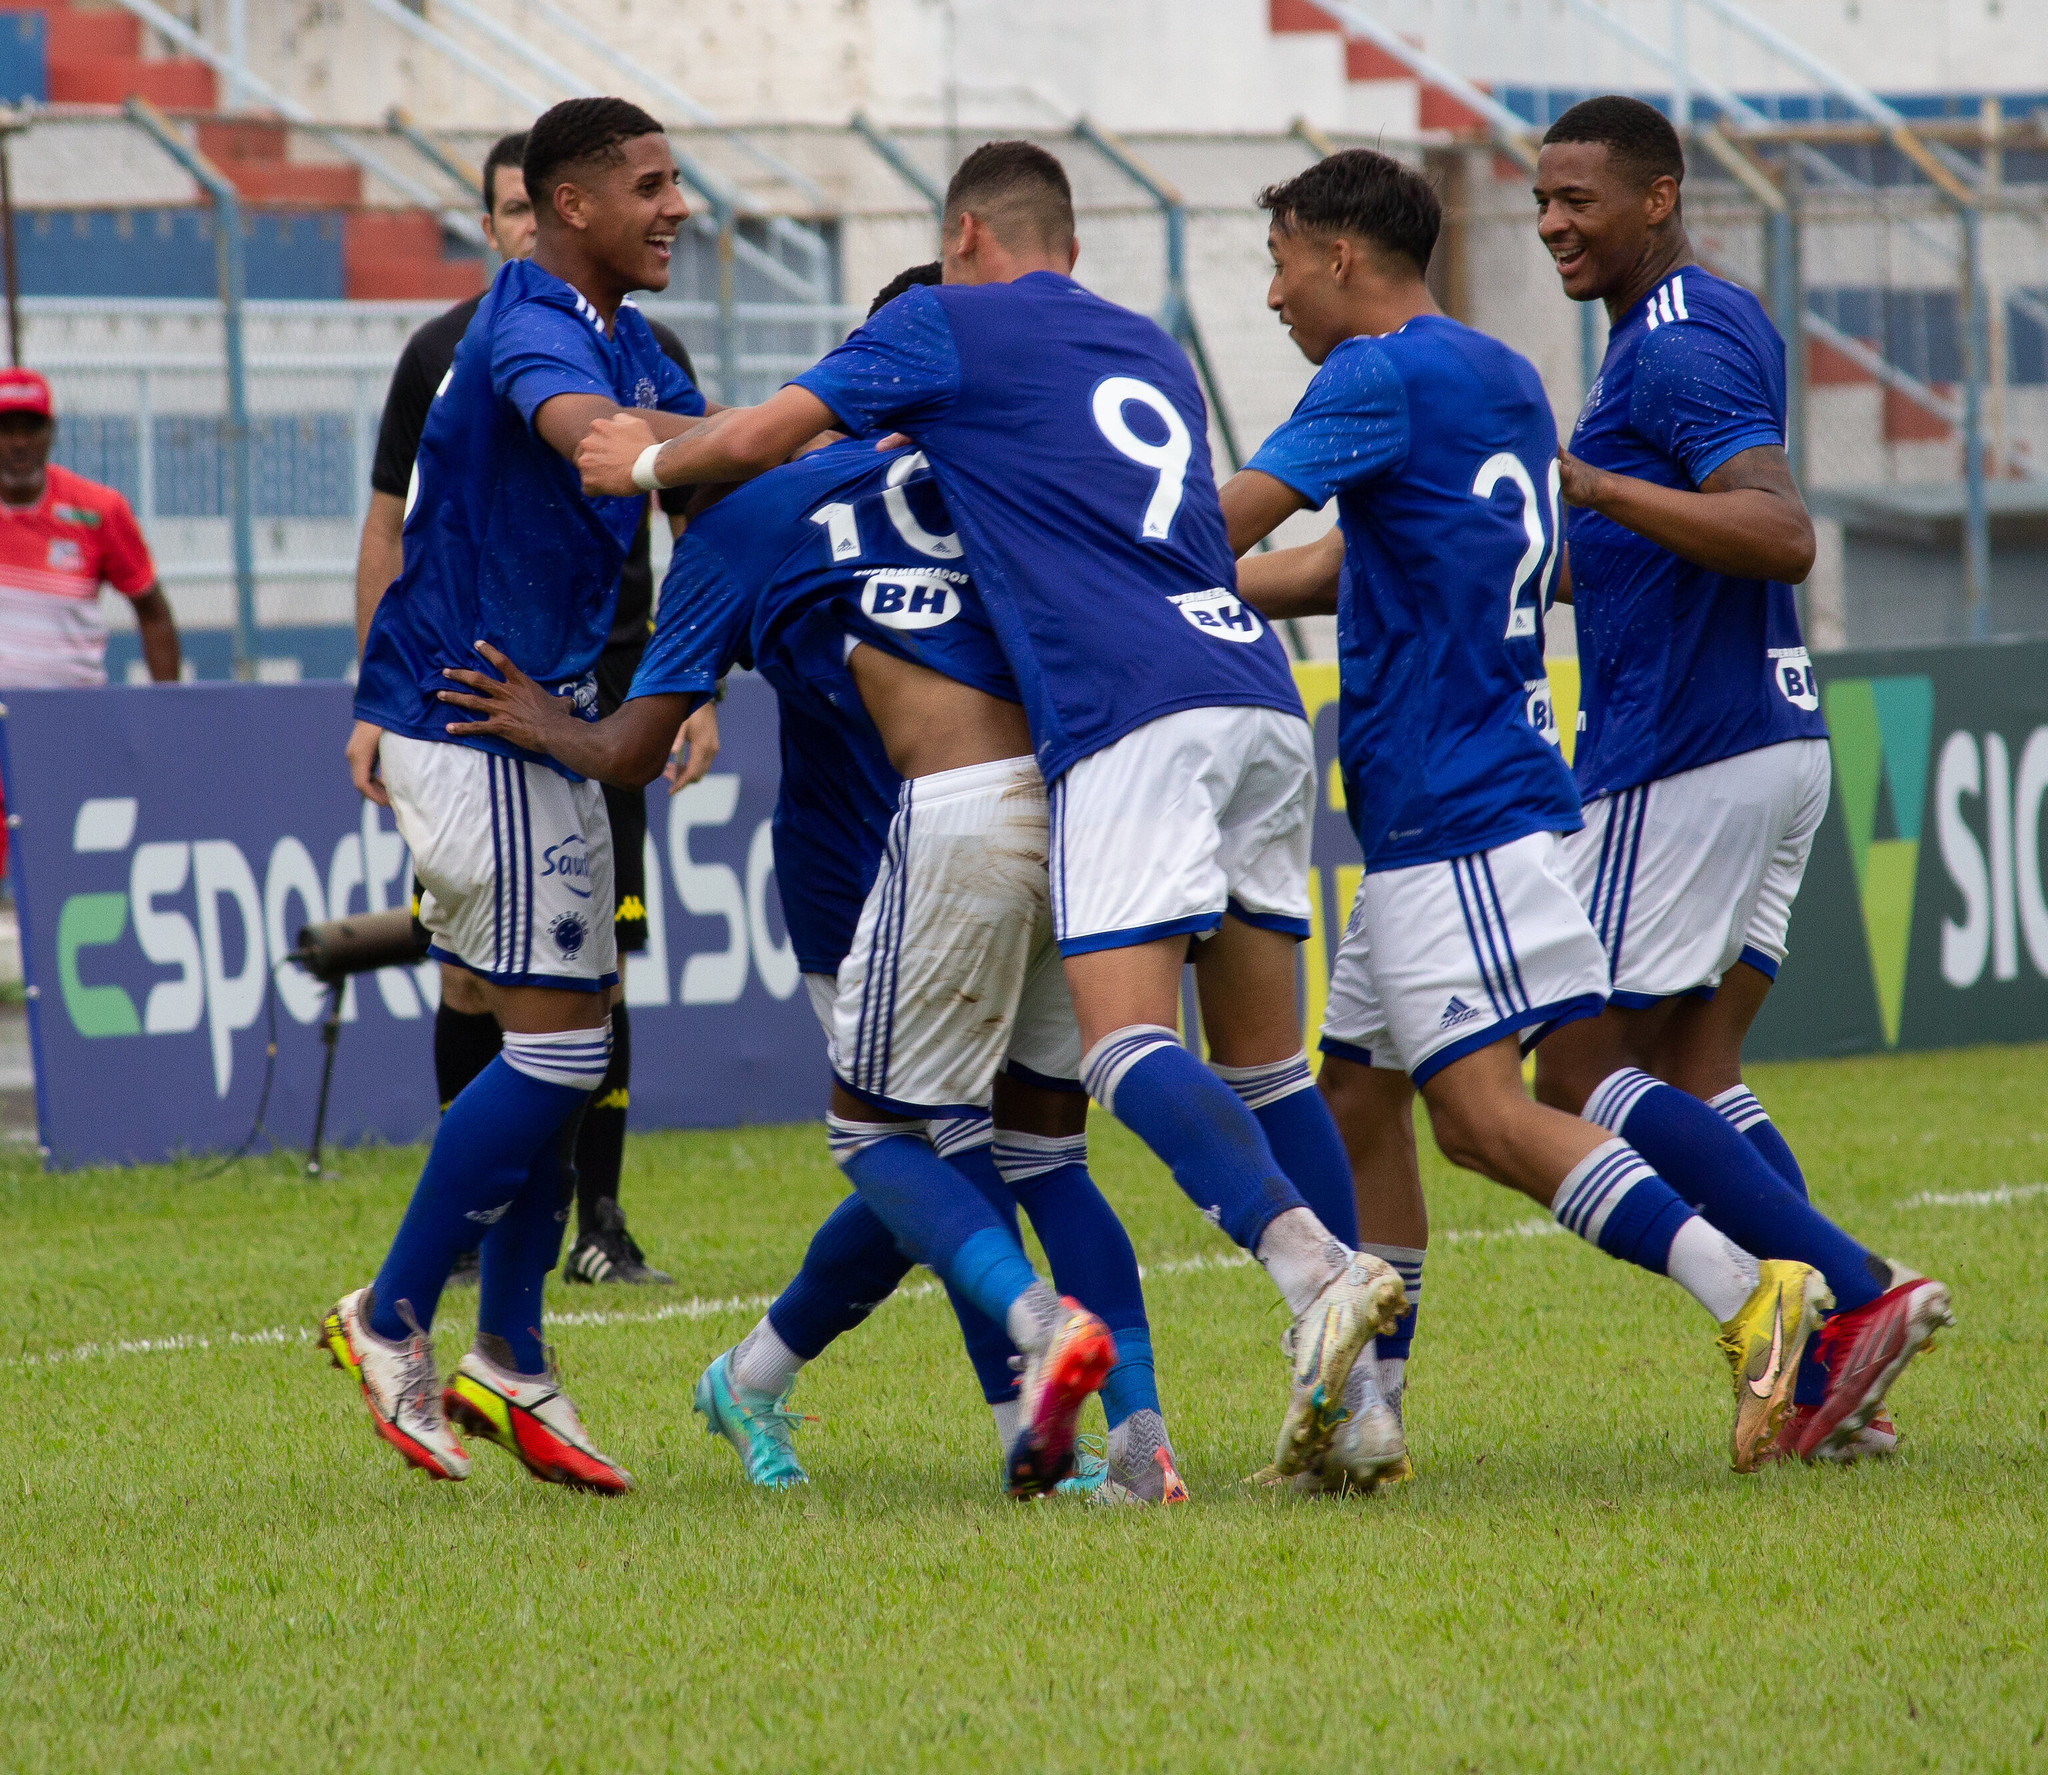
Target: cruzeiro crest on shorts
[(569, 932), (1219, 613)]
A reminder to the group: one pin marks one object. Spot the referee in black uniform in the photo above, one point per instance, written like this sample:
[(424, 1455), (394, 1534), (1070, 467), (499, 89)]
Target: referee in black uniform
[(466, 1035)]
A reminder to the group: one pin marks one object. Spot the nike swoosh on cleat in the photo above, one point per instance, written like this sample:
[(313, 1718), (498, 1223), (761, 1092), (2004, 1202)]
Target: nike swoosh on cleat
[(1763, 1384)]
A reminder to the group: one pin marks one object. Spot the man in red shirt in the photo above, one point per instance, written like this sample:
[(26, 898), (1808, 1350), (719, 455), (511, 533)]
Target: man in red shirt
[(61, 538)]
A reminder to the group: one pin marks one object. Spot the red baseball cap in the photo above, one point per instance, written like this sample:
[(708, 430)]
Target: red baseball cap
[(23, 391)]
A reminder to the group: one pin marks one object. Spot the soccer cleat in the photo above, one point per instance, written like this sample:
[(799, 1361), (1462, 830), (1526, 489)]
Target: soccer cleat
[(1370, 1447), (757, 1426), (608, 1253), (1091, 1468), (1057, 1382), (1160, 1487), (1321, 1346), (1864, 1352), (1876, 1441), (532, 1419), (1764, 1343), (399, 1386)]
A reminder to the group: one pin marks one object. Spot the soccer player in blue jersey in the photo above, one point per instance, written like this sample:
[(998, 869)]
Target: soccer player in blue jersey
[(840, 577), (1069, 438), (1702, 757), (1438, 446), (513, 855)]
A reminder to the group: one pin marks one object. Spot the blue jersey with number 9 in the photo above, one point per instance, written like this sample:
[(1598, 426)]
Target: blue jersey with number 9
[(1438, 445), (1071, 442)]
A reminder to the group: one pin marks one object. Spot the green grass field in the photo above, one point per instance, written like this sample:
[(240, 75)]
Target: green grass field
[(214, 1564)]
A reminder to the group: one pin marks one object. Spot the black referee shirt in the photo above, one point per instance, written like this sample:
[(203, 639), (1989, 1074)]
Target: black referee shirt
[(421, 367)]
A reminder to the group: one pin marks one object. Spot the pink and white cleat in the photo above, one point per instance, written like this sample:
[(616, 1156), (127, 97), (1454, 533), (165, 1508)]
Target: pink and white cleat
[(1864, 1352)]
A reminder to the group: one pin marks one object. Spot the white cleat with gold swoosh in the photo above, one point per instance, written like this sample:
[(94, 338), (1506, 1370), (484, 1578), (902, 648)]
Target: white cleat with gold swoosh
[(1764, 1343)]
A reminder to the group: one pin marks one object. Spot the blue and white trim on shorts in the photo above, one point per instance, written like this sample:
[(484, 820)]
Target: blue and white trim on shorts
[(512, 892), (865, 1072), (1621, 844)]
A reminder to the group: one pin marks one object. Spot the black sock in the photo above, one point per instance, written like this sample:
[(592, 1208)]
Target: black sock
[(601, 1141), (465, 1042)]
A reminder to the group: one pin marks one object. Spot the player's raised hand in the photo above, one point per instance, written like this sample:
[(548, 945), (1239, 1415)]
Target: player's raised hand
[(609, 449), (1579, 482), (513, 707), (361, 753)]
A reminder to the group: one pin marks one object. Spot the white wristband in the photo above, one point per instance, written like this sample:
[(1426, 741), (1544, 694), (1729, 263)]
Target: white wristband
[(643, 469)]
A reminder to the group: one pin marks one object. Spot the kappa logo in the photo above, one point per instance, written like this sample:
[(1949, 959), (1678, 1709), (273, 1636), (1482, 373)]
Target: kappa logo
[(1457, 1013), (1217, 612), (1880, 732), (569, 932)]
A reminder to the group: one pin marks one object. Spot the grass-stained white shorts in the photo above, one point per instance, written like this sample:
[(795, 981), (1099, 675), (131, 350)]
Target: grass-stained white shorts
[(1195, 814), (953, 972), (1685, 876), (513, 863), (1443, 959)]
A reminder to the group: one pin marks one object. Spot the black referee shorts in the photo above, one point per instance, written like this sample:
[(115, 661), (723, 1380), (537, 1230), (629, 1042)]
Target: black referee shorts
[(627, 811)]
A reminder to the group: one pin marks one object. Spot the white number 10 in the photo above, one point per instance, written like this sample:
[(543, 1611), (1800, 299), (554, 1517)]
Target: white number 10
[(1506, 466), (1169, 460)]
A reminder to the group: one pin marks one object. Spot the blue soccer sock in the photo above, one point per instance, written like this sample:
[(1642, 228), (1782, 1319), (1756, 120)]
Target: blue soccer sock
[(1089, 1251), (1196, 1124), (1718, 1171), (516, 1255), (1611, 1198), (966, 1143), (1304, 1138), (487, 1143), (939, 1218), (850, 1267), (1738, 1107), (1394, 1347)]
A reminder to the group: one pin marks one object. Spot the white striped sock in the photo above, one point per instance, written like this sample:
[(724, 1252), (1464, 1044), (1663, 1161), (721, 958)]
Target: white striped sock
[(847, 1138), (1617, 1094), (1261, 1085), (1739, 1108), (1021, 1157), (1104, 1065), (952, 1135), (1594, 1187), (577, 1058)]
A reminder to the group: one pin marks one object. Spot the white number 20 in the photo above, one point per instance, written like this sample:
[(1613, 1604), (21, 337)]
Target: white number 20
[(1506, 466), (1168, 460)]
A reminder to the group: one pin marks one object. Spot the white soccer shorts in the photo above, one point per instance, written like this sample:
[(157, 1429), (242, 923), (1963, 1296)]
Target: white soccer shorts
[(1686, 876), (1192, 815), (1443, 959), (953, 972), (513, 862)]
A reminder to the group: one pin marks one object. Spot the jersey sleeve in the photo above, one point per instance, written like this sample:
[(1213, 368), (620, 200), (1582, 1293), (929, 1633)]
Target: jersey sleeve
[(700, 629), (539, 351), (1701, 396), (124, 556), (898, 371), (405, 418), (1350, 426)]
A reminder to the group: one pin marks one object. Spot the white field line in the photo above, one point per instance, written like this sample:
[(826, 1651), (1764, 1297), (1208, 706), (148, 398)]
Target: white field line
[(716, 1307)]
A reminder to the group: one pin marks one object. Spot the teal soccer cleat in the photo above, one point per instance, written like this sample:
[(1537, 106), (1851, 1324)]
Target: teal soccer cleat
[(757, 1426)]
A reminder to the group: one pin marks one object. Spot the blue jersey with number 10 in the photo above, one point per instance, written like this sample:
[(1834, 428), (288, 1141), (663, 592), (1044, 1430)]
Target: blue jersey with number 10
[(1438, 445), (1071, 442)]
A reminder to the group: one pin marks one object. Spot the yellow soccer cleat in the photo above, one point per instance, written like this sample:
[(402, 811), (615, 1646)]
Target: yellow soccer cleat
[(1764, 1343), (1321, 1347)]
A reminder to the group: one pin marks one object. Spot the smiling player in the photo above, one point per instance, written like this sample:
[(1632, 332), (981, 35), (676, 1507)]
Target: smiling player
[(514, 856), (1703, 758)]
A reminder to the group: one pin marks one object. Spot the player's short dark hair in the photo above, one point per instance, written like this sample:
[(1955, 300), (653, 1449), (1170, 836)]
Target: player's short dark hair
[(1638, 138), (575, 134), (914, 278), (1019, 189), (505, 151), (1364, 193)]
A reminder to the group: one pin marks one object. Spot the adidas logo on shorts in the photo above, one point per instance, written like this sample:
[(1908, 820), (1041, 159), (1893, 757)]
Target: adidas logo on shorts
[(1457, 1012)]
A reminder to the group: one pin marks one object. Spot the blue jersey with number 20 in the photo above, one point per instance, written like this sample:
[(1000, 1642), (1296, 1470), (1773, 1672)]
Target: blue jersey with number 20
[(1071, 442), (1438, 445)]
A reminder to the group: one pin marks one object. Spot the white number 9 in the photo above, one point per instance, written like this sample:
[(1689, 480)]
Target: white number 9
[(1168, 460)]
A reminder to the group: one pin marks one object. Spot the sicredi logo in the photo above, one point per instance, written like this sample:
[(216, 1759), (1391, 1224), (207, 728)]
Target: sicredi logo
[(910, 598), (1217, 612)]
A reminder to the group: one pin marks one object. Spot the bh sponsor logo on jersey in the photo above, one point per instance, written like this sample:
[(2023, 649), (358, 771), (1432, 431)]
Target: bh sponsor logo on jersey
[(568, 861), (66, 556), (1217, 612), (1794, 674), (910, 597), (1542, 708)]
